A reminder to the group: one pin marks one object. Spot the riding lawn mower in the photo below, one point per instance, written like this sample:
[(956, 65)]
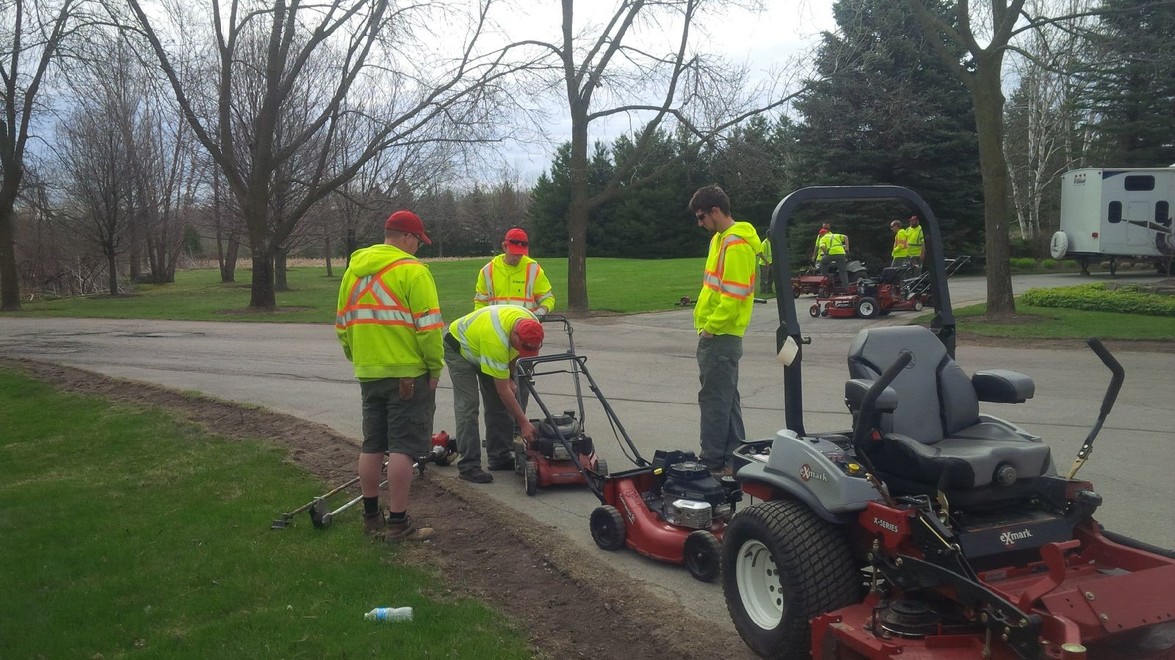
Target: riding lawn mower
[(928, 529)]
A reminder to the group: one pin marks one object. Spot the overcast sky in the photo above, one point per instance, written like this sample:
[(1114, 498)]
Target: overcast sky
[(761, 41)]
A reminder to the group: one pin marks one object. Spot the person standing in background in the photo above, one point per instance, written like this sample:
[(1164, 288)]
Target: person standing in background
[(765, 274), (513, 278), (898, 253)]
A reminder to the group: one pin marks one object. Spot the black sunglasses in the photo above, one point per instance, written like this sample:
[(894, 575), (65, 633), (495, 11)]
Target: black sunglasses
[(517, 242)]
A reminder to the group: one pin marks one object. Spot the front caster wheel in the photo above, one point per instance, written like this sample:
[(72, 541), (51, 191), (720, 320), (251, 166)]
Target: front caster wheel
[(702, 555)]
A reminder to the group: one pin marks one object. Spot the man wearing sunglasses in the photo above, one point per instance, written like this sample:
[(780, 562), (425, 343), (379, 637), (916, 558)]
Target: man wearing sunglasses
[(513, 278), (721, 316)]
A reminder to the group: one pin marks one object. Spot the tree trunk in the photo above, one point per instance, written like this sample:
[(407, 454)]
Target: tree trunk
[(989, 113), (329, 272), (577, 220), (261, 296), (280, 280), (9, 282), (112, 270)]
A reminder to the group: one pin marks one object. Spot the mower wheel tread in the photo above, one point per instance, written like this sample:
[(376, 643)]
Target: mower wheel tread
[(702, 555), (530, 478), (601, 467), (811, 561), (607, 527)]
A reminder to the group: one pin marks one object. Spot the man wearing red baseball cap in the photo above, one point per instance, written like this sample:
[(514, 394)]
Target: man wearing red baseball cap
[(513, 278), (481, 350), (389, 323)]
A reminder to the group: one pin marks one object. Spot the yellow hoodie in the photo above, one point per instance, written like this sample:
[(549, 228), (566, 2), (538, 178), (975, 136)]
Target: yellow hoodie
[(728, 283)]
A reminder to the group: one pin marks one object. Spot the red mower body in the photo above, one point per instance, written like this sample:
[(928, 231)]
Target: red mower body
[(1084, 597), (645, 531)]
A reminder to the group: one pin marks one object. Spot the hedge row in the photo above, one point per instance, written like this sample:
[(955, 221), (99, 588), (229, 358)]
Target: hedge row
[(1096, 298)]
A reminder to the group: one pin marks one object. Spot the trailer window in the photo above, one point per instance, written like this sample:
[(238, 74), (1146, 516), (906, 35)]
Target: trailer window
[(1138, 182), (1163, 213), (1115, 212)]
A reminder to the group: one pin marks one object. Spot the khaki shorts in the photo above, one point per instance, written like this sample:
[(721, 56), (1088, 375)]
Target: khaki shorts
[(395, 425)]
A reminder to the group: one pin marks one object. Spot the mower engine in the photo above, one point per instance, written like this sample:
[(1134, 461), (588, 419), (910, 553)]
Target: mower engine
[(689, 495), (548, 444)]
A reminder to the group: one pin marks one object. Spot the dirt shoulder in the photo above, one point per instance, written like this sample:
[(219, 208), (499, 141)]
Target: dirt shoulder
[(571, 603)]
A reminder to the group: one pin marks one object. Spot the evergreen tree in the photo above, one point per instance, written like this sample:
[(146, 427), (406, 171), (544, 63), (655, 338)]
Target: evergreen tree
[(1133, 84), (886, 110)]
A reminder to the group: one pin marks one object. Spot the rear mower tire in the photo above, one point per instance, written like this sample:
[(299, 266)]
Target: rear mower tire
[(607, 527), (782, 565), (702, 555), (867, 308), (530, 478), (601, 467), (814, 310)]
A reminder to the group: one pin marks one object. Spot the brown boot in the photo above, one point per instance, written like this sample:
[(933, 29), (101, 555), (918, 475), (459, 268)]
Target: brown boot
[(406, 531), (375, 527)]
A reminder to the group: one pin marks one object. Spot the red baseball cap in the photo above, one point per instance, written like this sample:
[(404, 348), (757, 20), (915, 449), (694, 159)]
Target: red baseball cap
[(530, 337), (822, 232), (409, 223), (517, 242)]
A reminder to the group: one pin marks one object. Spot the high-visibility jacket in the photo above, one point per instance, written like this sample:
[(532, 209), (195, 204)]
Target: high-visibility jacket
[(899, 245), (765, 252), (914, 241), (833, 243), (499, 283), (484, 335), (728, 282), (388, 315)]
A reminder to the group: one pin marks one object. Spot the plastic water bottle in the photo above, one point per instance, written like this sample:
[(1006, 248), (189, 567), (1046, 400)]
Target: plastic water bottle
[(389, 614)]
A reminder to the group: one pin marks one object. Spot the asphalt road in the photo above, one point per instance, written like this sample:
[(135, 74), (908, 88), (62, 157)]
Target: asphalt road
[(645, 365)]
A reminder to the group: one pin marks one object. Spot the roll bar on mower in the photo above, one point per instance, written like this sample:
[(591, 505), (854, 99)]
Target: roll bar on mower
[(943, 324)]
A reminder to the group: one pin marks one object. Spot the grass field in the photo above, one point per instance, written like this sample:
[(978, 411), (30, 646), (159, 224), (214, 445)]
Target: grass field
[(126, 533)]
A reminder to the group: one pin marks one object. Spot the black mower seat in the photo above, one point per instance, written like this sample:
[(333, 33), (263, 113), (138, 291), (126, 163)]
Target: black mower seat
[(935, 435)]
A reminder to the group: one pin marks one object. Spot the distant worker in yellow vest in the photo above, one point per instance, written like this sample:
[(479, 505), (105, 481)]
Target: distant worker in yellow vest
[(898, 253), (482, 350), (389, 323), (513, 278), (765, 261), (817, 255), (835, 248), (916, 243)]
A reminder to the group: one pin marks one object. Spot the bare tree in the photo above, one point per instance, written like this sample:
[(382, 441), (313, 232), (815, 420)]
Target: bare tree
[(608, 72), (31, 32), (386, 74)]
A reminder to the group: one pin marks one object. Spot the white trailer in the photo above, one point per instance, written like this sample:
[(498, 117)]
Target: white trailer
[(1112, 213)]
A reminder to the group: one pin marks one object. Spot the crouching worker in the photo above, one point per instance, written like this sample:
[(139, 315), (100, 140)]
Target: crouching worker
[(389, 323), (481, 351)]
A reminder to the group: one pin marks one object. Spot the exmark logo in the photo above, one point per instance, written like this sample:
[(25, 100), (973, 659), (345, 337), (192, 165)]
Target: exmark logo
[(886, 525), (808, 474), (1010, 538)]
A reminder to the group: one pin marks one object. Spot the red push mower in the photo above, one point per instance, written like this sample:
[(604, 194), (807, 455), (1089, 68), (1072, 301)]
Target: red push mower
[(671, 509), (890, 292), (930, 530), (547, 461), (810, 281)]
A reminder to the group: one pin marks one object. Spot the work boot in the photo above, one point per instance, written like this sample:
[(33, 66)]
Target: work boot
[(477, 476), (404, 530), (502, 466), (374, 526)]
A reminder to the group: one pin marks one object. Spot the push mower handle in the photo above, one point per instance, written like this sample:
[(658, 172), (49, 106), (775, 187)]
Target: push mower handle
[(865, 415), (1119, 374)]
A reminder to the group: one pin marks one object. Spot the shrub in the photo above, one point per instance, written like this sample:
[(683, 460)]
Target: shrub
[(1096, 298)]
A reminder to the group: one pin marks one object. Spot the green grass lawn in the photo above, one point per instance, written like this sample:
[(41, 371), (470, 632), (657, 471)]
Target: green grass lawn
[(125, 532), (624, 286), (1051, 322)]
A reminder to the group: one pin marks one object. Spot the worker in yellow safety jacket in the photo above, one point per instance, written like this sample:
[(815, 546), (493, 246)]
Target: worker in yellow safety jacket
[(898, 253), (389, 323), (765, 261), (916, 242), (513, 278), (721, 316), (835, 248), (481, 351)]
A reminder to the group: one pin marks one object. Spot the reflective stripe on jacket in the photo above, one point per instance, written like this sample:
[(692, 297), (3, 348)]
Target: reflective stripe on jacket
[(728, 282), (914, 241), (525, 284), (836, 243), (388, 317), (484, 335)]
